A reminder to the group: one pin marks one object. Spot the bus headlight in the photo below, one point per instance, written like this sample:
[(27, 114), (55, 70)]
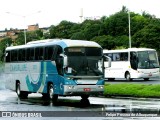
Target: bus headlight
[(70, 87), (101, 87), (68, 78)]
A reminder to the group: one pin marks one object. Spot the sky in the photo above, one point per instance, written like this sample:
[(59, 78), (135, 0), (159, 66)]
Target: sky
[(21, 13)]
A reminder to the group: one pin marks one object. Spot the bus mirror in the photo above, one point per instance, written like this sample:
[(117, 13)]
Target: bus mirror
[(107, 61)]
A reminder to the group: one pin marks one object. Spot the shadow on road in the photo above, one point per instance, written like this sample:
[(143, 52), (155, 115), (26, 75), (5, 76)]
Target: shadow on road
[(83, 103)]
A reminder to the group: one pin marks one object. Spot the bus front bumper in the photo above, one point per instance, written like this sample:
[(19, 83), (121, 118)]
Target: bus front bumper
[(78, 90), (148, 75)]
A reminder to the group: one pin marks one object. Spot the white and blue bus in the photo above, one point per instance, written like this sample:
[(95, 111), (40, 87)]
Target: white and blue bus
[(55, 68), (132, 63)]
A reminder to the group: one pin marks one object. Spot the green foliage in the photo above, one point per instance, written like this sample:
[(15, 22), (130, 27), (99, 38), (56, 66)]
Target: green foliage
[(63, 30), (107, 42), (78, 36), (30, 36), (148, 36), (3, 44), (117, 24), (132, 90), (20, 40)]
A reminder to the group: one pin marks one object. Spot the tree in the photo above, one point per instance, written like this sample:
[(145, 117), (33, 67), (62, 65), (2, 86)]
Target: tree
[(117, 24), (122, 41), (3, 44), (107, 42), (138, 22), (92, 28), (149, 36), (30, 36), (62, 30), (78, 36)]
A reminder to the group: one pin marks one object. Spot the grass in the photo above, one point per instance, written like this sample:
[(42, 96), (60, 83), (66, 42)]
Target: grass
[(132, 90)]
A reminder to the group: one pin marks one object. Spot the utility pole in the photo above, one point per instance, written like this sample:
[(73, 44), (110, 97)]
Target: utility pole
[(129, 24)]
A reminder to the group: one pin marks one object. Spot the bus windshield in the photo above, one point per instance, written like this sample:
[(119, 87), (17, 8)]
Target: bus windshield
[(84, 60), (147, 60)]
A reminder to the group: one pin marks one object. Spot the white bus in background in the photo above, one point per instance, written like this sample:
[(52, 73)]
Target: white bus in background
[(132, 63)]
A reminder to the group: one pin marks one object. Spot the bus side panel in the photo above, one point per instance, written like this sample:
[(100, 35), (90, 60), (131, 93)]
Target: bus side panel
[(117, 69), (33, 76), (52, 77), (48, 74), (15, 71)]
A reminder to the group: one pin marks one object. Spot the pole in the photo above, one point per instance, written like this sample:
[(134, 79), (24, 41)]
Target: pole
[(25, 38), (129, 24)]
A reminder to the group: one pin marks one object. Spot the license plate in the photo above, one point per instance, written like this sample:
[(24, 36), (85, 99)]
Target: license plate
[(150, 74), (87, 89)]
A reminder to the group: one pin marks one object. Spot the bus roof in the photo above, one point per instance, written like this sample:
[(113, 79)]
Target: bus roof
[(129, 49), (62, 42)]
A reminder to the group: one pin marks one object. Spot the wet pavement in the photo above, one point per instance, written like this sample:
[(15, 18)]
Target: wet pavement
[(99, 108), (72, 107)]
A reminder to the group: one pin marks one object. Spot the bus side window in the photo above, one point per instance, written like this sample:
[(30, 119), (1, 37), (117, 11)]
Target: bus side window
[(45, 53), (124, 56), (49, 52), (31, 54), (27, 54), (23, 54), (39, 53), (8, 58), (19, 55), (14, 55), (116, 57)]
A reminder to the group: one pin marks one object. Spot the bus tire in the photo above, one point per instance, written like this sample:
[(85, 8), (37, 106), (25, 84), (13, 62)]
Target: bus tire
[(128, 76), (18, 90), (51, 94), (84, 103), (111, 79), (20, 94), (84, 96), (146, 79)]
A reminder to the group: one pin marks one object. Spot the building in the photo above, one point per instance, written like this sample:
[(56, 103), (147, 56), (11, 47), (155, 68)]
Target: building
[(33, 27), (3, 33)]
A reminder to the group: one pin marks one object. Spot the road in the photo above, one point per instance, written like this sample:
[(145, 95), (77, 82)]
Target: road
[(72, 108), (99, 108)]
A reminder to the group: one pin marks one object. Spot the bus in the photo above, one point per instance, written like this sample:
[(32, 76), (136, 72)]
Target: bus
[(132, 63), (56, 67)]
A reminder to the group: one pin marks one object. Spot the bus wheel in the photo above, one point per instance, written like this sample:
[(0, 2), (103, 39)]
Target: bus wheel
[(21, 94), (111, 79), (18, 91), (84, 96), (128, 76), (146, 79), (51, 94), (84, 103)]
